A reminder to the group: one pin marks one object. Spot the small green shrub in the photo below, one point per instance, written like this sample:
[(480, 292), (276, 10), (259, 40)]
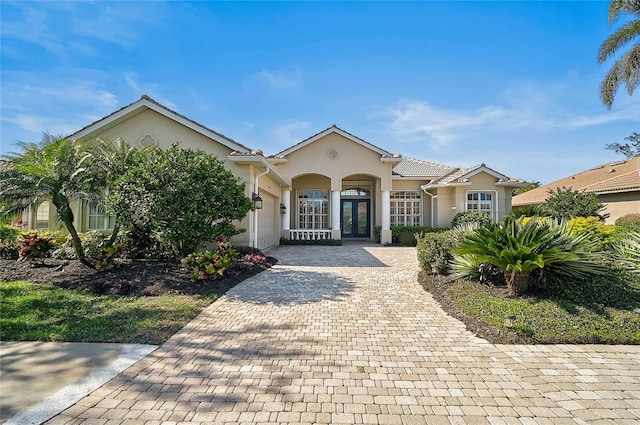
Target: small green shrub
[(631, 221), (476, 217), (406, 235), (376, 233), (212, 264), (34, 244), (434, 248), (9, 233)]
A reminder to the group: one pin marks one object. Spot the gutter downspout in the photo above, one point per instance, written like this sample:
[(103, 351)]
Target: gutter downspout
[(255, 212), (432, 196)]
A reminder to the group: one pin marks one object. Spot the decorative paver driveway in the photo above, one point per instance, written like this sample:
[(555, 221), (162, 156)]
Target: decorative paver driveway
[(346, 335)]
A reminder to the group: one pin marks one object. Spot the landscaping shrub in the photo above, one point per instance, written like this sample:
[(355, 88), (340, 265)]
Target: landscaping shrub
[(93, 243), (212, 264), (34, 244), (434, 248), (406, 235), (9, 245), (479, 217), (183, 198), (542, 249), (630, 221), (565, 204), (604, 235)]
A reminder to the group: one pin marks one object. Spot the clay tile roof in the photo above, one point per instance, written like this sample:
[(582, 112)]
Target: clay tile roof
[(621, 176), (410, 167)]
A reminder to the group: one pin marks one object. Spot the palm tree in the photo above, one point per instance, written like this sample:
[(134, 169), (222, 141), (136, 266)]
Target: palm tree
[(626, 70), (110, 160), (54, 170)]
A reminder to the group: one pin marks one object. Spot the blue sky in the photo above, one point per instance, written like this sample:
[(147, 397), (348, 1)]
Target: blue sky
[(511, 84)]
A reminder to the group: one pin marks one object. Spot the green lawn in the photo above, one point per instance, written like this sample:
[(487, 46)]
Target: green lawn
[(601, 312), (34, 312)]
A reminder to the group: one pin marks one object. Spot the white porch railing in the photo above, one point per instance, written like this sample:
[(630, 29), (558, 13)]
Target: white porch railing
[(309, 234)]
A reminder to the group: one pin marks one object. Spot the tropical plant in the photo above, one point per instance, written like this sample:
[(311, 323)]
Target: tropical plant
[(212, 264), (34, 244), (53, 171), (110, 161), (566, 203), (629, 150), (478, 217), (519, 249), (628, 252), (529, 186), (185, 195), (626, 69), (603, 234)]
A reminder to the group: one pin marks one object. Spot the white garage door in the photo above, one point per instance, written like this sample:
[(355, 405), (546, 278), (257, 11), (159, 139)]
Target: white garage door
[(267, 221)]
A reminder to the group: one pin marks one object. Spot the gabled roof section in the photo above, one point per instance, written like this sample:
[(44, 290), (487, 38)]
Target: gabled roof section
[(335, 129), (461, 176), (410, 167), (613, 177), (146, 103)]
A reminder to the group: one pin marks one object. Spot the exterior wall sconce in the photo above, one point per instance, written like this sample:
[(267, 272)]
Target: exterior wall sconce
[(283, 209), (509, 320), (257, 201)]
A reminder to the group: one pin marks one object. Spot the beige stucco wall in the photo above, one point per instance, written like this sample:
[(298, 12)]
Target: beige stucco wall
[(166, 132), (620, 204)]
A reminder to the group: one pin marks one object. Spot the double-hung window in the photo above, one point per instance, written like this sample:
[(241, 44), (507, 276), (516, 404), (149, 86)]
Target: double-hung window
[(313, 209), (481, 201), (406, 208)]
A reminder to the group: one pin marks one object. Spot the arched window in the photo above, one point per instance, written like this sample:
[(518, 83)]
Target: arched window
[(354, 192), (42, 216)]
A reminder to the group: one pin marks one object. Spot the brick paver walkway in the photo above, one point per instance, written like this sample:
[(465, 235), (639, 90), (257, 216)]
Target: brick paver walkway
[(346, 335)]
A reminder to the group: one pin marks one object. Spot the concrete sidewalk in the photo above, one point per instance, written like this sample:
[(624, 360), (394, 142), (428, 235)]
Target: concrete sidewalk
[(40, 379), (346, 335)]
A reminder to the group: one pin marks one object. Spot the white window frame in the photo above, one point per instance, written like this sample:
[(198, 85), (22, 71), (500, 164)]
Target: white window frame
[(310, 211), (405, 208), (104, 221), (42, 215), (492, 203)]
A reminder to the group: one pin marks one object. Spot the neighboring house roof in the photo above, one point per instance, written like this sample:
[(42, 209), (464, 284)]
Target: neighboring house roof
[(613, 177), (410, 167), (144, 103), (334, 129)]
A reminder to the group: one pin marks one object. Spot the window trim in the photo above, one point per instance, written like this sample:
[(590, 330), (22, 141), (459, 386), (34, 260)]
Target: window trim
[(105, 218), (46, 204)]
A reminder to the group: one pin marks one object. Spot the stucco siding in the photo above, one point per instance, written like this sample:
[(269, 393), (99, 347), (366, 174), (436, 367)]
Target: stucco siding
[(620, 204)]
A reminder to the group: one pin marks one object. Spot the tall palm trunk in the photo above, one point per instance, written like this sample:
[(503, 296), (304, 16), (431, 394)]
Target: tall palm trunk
[(66, 215)]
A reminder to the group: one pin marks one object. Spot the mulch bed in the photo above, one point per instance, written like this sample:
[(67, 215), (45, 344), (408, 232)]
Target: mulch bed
[(127, 277)]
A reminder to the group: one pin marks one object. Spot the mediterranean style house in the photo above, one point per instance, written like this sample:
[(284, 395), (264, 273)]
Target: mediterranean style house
[(617, 185), (331, 185)]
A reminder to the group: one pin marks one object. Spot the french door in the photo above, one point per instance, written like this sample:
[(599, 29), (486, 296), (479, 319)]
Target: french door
[(354, 218)]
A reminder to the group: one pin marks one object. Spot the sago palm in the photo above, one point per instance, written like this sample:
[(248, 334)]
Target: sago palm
[(626, 69), (519, 248), (51, 171)]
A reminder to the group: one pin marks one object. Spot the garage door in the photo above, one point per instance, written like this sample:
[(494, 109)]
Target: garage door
[(267, 221)]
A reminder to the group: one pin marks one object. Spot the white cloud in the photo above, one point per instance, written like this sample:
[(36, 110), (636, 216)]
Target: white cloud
[(279, 79), (416, 120), (290, 132)]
